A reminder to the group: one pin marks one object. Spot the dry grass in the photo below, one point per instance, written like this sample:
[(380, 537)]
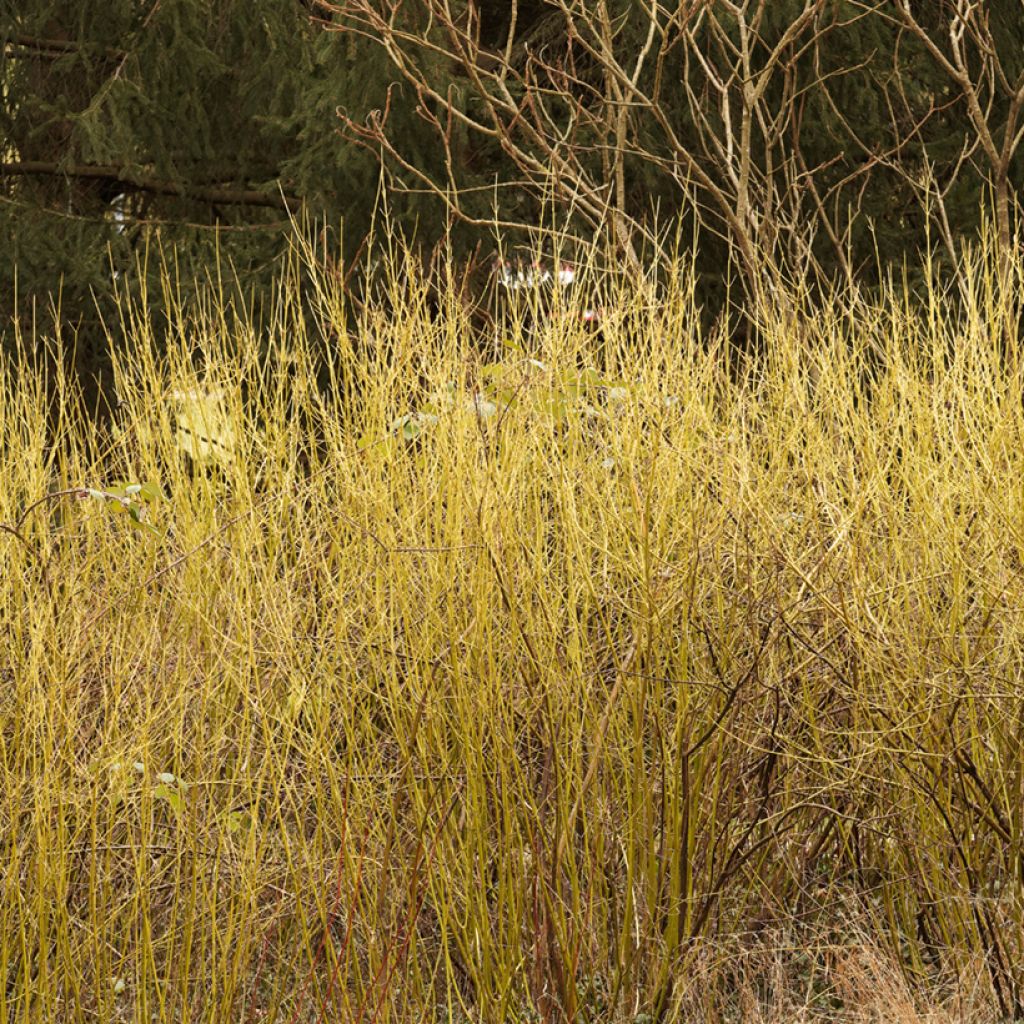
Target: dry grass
[(604, 683)]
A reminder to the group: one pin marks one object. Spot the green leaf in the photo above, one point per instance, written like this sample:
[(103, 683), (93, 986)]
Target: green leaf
[(494, 371), (412, 424), (378, 449), (116, 506), (551, 402), (136, 512), (172, 796), (576, 382), (239, 821)]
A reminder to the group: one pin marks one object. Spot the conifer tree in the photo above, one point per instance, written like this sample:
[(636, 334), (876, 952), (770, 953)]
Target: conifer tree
[(193, 126)]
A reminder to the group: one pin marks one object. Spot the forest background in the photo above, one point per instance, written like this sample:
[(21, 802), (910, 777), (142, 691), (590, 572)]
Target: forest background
[(827, 137)]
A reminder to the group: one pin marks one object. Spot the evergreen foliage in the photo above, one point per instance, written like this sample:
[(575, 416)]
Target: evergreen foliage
[(192, 127)]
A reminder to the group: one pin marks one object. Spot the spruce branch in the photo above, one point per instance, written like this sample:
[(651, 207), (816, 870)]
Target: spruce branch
[(143, 183)]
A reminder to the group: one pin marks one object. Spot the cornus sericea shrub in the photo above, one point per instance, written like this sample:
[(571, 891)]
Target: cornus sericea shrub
[(655, 682)]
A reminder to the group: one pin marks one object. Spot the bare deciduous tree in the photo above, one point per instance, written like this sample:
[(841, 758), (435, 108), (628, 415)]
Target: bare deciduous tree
[(604, 108), (595, 90), (960, 43)]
